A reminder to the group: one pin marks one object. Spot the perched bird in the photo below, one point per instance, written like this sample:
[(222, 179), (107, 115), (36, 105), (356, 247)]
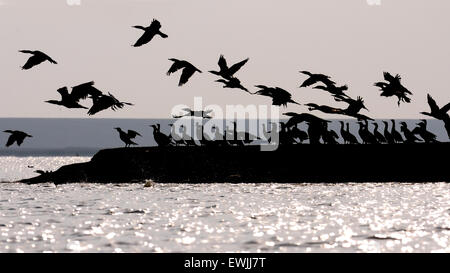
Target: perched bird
[(104, 102), (279, 96), (364, 133), (127, 137), (395, 134), (394, 87), (380, 138), (387, 135), (233, 83), (16, 136), (79, 92), (329, 136), (160, 138), (37, 58), (410, 137), (149, 33), (348, 137), (422, 131), (439, 113), (188, 70), (315, 78), (228, 72)]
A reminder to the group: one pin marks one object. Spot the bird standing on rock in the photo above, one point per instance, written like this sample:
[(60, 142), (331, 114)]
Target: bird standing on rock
[(127, 137)]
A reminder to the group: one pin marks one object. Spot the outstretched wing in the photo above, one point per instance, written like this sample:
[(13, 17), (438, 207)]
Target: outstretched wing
[(11, 140), (33, 61), (432, 103), (177, 65), (186, 75), (388, 77), (50, 59), (83, 90), (63, 91), (155, 25), (446, 108), (233, 69), (223, 63)]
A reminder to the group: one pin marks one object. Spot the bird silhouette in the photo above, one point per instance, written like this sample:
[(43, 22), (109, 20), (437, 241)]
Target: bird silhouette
[(16, 136), (410, 137), (315, 125), (192, 113), (188, 70), (79, 92), (395, 134), (228, 72), (329, 136), (333, 89), (394, 87), (160, 138), (387, 135), (233, 83), (127, 137), (103, 102), (37, 58), (354, 106), (315, 78), (422, 131), (439, 113), (296, 133), (279, 96), (379, 136), (347, 136), (149, 33), (364, 133)]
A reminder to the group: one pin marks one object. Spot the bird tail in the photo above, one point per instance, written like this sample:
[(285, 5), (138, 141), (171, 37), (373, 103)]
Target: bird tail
[(162, 34)]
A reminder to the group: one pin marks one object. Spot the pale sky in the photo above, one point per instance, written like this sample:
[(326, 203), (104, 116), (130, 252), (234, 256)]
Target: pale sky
[(349, 40)]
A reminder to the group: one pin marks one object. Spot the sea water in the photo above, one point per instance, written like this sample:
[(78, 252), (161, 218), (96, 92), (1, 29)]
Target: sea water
[(354, 217)]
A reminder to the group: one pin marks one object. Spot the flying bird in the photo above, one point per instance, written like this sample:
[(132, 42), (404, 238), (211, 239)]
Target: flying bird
[(127, 137), (104, 102), (228, 72), (439, 113), (16, 136), (149, 33), (37, 57), (79, 92), (188, 70), (315, 78), (333, 89), (393, 87), (279, 96), (233, 83)]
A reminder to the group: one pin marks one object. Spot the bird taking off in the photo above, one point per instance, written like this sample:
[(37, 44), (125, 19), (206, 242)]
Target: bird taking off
[(37, 57), (393, 87), (127, 137), (439, 113), (279, 96), (149, 33), (188, 70), (79, 92), (228, 72), (16, 136), (315, 78)]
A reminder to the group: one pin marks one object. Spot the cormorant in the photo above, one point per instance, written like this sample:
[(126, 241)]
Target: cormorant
[(37, 58), (387, 135), (296, 133), (16, 136), (233, 83), (315, 125), (395, 134), (149, 33), (354, 106), (393, 87), (160, 138), (79, 92), (104, 102), (439, 113), (333, 89), (315, 78), (380, 138), (329, 136), (410, 137), (364, 133), (279, 96), (348, 137), (228, 72), (422, 131), (188, 70), (127, 137)]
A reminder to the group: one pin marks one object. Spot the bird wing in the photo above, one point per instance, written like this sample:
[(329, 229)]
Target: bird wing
[(446, 108), (11, 140), (223, 63), (50, 59), (155, 25), (63, 91), (83, 90), (33, 61), (235, 68), (27, 51), (187, 73), (177, 64), (145, 38), (432, 103), (133, 134)]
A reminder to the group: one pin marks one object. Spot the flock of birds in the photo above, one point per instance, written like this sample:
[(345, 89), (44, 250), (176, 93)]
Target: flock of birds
[(289, 133)]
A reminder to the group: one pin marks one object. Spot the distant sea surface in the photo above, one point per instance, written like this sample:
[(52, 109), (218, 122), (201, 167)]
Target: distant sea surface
[(367, 217)]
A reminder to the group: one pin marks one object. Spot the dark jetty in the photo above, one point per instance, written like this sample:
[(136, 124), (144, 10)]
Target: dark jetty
[(288, 164)]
